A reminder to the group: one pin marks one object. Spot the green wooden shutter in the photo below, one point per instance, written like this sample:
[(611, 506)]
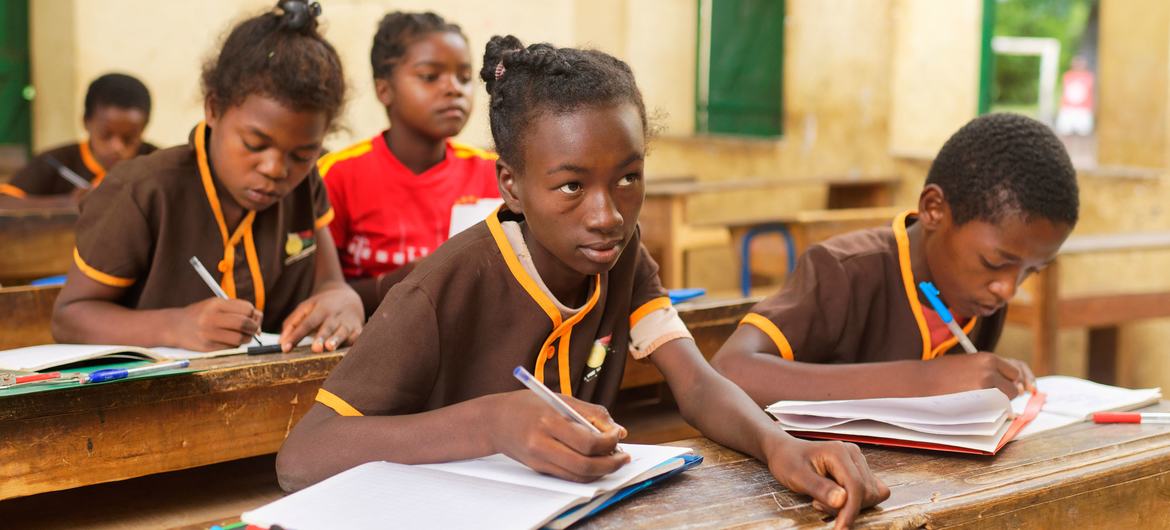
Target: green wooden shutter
[(14, 73), (745, 68)]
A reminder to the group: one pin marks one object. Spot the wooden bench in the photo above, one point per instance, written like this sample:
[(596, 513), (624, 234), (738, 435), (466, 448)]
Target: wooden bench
[(25, 314), (669, 233), (36, 242), (1045, 311)]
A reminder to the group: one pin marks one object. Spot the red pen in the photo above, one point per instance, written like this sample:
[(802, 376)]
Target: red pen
[(1131, 417)]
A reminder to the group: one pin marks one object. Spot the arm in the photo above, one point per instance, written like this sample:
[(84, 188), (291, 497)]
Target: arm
[(333, 314), (751, 360), (833, 473), (87, 311)]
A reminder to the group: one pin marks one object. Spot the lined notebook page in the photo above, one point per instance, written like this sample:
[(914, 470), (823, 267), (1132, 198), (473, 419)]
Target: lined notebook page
[(381, 495)]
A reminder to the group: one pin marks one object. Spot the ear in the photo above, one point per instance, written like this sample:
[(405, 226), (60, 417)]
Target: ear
[(509, 187), (385, 91), (933, 210), (209, 114)]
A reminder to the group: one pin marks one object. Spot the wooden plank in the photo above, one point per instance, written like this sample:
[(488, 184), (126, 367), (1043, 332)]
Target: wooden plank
[(1081, 476), (25, 315), (1098, 311), (36, 242)]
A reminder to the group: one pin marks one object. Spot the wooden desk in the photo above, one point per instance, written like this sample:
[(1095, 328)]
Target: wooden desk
[(1081, 476), (668, 233), (25, 315), (1045, 311), (241, 406), (36, 243)]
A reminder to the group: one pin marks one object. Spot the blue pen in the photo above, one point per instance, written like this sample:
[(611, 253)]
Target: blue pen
[(111, 374), (547, 395), (932, 293)]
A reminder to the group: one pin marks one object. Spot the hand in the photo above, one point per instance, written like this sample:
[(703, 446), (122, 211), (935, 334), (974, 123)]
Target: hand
[(216, 324), (334, 317), (962, 372), (531, 432), (834, 474)]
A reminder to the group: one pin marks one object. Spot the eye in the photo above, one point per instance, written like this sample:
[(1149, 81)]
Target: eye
[(430, 78), (570, 188), (253, 148), (629, 180), (299, 159), (991, 266)]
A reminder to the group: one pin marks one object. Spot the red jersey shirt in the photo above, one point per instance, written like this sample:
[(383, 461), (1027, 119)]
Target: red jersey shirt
[(386, 215)]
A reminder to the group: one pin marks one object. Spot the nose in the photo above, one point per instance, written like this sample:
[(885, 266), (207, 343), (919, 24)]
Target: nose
[(1004, 288), (452, 86), (272, 165), (602, 215)]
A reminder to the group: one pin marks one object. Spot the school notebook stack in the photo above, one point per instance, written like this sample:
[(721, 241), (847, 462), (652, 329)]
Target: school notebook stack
[(493, 492), (35, 358), (978, 421)]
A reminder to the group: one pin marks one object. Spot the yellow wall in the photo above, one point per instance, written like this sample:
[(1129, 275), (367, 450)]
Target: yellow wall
[(1133, 88)]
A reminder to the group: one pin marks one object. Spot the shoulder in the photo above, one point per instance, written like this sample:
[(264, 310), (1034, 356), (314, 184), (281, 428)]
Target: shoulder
[(460, 262), (147, 148), (156, 175), (343, 158), (479, 159), (861, 246), (66, 151)]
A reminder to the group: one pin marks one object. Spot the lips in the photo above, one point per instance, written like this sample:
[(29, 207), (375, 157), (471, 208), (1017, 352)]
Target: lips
[(452, 112), (602, 251), (261, 196)]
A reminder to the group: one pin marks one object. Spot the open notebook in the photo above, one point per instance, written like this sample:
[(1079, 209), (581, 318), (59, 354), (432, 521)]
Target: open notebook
[(45, 356), (493, 492), (977, 421)]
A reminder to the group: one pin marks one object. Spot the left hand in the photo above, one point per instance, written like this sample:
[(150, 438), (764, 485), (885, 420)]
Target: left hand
[(834, 474), (334, 317)]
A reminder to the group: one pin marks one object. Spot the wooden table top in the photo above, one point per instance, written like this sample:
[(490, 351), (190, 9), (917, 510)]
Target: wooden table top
[(1083, 476)]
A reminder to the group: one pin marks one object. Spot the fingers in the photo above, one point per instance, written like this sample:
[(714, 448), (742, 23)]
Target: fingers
[(598, 416), (1027, 378), (299, 323), (563, 461)]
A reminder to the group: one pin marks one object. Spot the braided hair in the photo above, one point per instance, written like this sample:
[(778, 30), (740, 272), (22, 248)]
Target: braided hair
[(1001, 164), (281, 55), (524, 82), (397, 31)]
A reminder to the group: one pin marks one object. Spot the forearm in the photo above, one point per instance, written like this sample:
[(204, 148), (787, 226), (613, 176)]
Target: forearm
[(324, 444), (768, 378), (726, 415), (103, 322)]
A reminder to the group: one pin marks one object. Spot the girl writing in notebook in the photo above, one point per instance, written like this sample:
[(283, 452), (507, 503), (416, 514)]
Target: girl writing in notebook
[(243, 196), (556, 281)]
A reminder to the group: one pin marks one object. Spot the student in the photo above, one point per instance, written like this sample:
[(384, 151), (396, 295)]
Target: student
[(851, 322), (556, 281), (242, 196), (117, 109), (393, 193)]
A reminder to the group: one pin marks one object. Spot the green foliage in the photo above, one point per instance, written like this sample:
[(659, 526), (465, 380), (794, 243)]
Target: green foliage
[(1016, 78)]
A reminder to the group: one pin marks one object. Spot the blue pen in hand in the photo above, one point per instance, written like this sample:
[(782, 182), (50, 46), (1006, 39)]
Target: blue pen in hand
[(111, 374), (932, 294), (548, 397)]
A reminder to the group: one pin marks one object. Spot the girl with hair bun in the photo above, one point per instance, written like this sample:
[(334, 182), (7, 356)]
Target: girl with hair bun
[(243, 196)]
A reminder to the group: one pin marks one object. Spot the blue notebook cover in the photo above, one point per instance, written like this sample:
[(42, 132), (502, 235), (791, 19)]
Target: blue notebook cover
[(689, 461)]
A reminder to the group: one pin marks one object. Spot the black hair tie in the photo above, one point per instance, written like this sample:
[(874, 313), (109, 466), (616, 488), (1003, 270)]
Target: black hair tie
[(298, 14)]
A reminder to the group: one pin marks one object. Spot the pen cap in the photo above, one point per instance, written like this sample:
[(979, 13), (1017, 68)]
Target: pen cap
[(932, 294)]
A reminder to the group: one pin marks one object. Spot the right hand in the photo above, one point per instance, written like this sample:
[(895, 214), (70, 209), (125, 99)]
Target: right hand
[(528, 430), (974, 371), (217, 324)]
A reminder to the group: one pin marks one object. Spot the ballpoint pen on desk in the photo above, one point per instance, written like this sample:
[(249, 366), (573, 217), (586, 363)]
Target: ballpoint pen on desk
[(9, 379), (68, 174), (206, 276), (932, 294), (1131, 417), (111, 374)]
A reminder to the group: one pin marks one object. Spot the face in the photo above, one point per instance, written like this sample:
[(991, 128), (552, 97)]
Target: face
[(979, 265), (115, 133), (261, 150), (581, 188), (430, 90)]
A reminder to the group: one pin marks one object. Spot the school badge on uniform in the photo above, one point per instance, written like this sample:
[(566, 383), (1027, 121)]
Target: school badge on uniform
[(299, 245), (596, 357)]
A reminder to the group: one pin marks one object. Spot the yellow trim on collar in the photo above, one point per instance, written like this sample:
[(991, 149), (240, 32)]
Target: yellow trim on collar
[(769, 328), (949, 343), (518, 272), (92, 164), (903, 241)]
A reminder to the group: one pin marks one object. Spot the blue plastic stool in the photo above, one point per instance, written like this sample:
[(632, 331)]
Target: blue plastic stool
[(47, 281), (745, 252), (682, 295)]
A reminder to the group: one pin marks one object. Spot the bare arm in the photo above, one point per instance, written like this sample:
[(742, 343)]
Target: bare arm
[(333, 314)]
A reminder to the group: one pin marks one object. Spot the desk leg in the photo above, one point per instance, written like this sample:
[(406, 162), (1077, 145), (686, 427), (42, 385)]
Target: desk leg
[(1103, 358), (1046, 322)]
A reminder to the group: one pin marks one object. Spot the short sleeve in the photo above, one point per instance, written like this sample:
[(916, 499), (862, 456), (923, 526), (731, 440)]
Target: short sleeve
[(113, 236), (392, 368), (806, 319), (322, 210), (653, 320), (35, 178)]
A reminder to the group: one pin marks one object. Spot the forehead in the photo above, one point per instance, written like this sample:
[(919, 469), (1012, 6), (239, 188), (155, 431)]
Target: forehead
[(113, 116), (590, 136), (274, 119), (1034, 240), (437, 46)]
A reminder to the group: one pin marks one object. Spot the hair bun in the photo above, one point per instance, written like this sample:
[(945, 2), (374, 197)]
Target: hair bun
[(299, 15)]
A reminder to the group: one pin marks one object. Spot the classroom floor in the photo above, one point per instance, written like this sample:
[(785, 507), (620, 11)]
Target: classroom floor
[(223, 491)]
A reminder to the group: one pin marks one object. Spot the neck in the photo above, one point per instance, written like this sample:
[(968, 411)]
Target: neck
[(414, 151), (918, 264), (567, 285)]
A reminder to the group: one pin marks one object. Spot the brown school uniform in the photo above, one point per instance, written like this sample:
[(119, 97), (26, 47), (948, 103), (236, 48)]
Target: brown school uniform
[(40, 178), (475, 309), (139, 230), (853, 299)]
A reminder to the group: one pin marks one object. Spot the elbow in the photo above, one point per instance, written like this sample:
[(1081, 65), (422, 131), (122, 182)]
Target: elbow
[(726, 363), (291, 472), (60, 326)]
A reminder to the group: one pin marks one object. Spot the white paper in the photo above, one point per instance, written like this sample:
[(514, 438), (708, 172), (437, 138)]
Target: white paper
[(974, 406), (34, 358), (464, 216), (1071, 400)]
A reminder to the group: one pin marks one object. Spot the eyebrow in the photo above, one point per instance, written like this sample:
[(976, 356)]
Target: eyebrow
[(438, 64), (268, 139), (573, 168)]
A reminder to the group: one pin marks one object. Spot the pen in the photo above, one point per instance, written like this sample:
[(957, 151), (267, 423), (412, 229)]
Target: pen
[(1131, 417), (547, 395), (111, 374), (932, 293), (211, 283), (68, 174), (257, 350)]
